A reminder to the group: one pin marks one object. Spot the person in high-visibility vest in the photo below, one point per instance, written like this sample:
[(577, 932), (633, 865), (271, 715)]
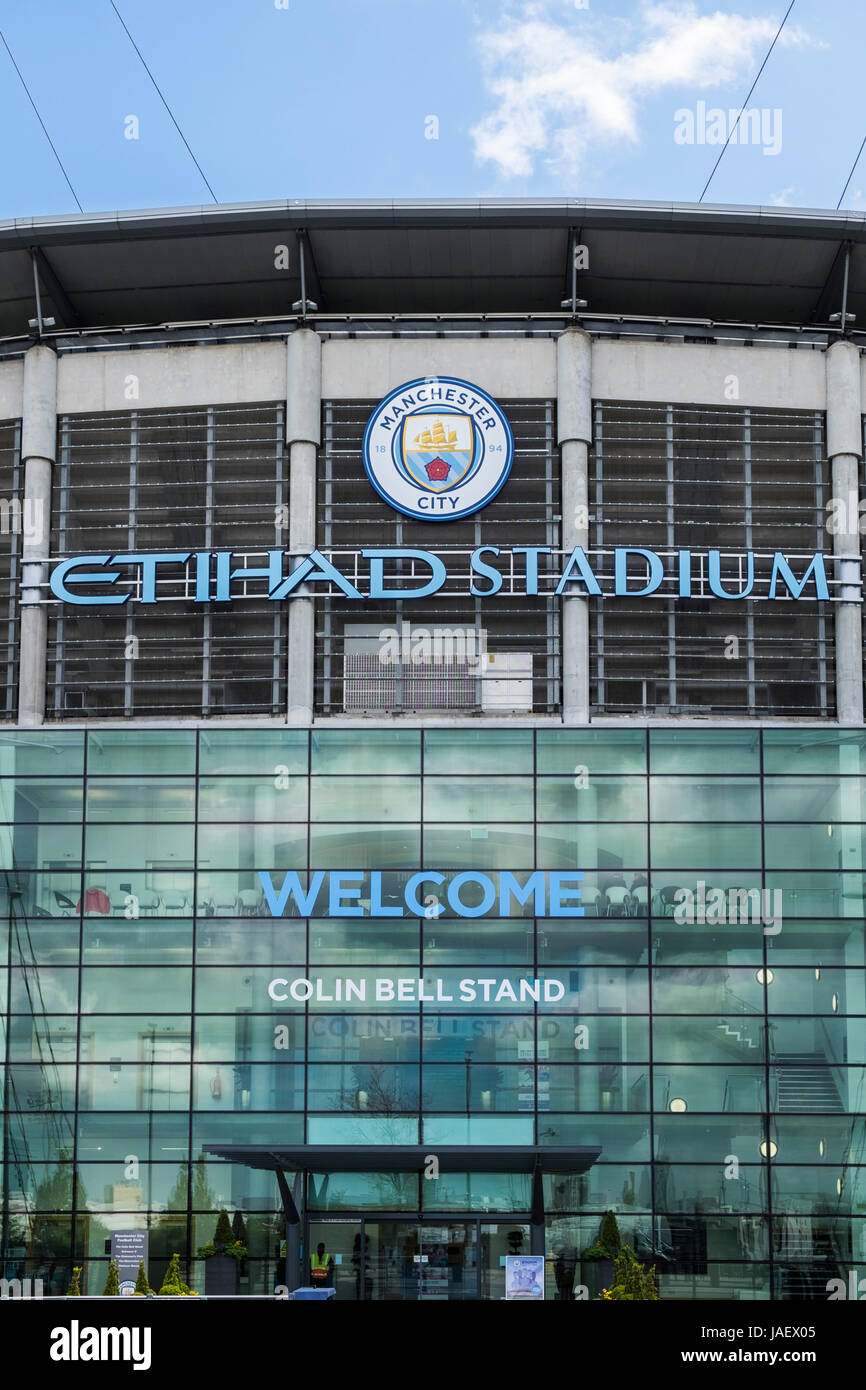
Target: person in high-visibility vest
[(321, 1266)]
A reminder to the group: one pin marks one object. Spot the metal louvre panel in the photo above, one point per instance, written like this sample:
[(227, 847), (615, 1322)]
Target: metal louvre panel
[(13, 519), (701, 477), (204, 478), (350, 516)]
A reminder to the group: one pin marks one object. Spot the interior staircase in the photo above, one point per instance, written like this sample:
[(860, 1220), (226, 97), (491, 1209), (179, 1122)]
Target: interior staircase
[(806, 1084)]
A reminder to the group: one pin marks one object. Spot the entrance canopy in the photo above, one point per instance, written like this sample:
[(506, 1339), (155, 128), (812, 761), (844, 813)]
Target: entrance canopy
[(536, 1159), (395, 1158)]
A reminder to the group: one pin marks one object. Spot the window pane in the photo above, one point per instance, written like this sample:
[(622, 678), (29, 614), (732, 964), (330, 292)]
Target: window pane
[(118, 799), (815, 847), (584, 941), (710, 1088), (136, 1037), (814, 750), (365, 798), (259, 1086), (269, 752), (262, 798), (482, 847), (605, 846), (42, 1038), (586, 1087), (479, 1086), (364, 940), (711, 750), (604, 1187), (221, 989), (477, 798), (374, 1088), (815, 798), (490, 940), (358, 847), (373, 750), (125, 1085), (686, 1138), (50, 752), (696, 1188), (43, 945), (709, 1039), (107, 990), (467, 751), (131, 846), (707, 990), (818, 894), (707, 846), (602, 798), (350, 1038), (254, 846), (218, 941), (164, 942), (705, 798), (819, 991), (142, 751), (480, 1040), (362, 1129), (597, 750), (41, 799), (247, 1037), (32, 847), (360, 1192)]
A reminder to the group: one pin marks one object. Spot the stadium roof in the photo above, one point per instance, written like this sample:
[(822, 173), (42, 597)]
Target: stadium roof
[(750, 265)]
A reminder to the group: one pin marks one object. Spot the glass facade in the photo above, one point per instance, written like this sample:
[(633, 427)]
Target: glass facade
[(706, 1048)]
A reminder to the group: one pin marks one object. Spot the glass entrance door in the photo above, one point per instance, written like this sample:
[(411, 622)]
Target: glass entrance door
[(399, 1260), (411, 1261)]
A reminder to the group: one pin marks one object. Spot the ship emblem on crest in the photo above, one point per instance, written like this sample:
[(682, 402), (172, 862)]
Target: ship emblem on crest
[(438, 450)]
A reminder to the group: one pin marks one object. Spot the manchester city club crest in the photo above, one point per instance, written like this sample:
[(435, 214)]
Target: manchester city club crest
[(438, 448)]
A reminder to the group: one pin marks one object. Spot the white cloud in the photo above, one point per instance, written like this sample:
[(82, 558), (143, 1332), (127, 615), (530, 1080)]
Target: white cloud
[(783, 199), (559, 88)]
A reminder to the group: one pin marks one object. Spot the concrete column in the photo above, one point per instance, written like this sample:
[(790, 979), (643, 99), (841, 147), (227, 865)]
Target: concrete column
[(38, 452), (303, 434), (574, 434), (845, 449)]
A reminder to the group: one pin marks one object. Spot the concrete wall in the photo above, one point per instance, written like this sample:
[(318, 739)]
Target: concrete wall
[(680, 373), (513, 367), (11, 390), (90, 382)]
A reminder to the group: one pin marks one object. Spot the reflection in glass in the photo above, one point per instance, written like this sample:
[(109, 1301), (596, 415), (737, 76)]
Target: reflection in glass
[(364, 798), (602, 798), (714, 750)]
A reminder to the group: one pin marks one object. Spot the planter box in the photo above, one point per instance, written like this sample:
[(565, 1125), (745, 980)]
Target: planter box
[(221, 1275)]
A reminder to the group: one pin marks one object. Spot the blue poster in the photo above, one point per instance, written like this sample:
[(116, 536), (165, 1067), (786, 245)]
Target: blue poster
[(524, 1276)]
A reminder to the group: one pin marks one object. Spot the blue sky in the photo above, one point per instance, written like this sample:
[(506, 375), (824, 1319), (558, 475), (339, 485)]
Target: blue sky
[(331, 99)]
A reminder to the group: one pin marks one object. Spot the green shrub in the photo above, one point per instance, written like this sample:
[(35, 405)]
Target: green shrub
[(632, 1281), (74, 1290), (223, 1235), (171, 1282), (112, 1283), (142, 1287), (609, 1242), (226, 1240), (172, 1286)]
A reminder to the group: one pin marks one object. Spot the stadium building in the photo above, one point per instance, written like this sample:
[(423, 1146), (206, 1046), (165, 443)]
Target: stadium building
[(433, 772)]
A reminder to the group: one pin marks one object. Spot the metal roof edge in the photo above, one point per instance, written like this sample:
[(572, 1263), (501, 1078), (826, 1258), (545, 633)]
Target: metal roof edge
[(383, 213)]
